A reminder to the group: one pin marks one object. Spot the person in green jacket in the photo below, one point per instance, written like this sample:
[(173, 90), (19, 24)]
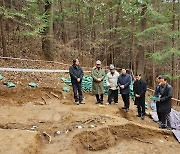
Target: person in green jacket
[(98, 74)]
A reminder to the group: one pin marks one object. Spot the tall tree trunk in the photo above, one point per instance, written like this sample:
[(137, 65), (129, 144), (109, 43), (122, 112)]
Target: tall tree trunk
[(178, 65), (110, 56), (92, 33), (63, 29), (7, 4), (141, 60), (133, 53), (115, 33), (48, 33), (173, 71), (3, 32), (77, 28), (79, 35), (153, 63)]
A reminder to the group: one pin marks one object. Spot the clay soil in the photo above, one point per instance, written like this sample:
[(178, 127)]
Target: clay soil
[(45, 120)]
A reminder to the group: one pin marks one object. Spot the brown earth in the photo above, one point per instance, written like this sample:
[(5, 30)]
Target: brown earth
[(18, 141), (31, 117)]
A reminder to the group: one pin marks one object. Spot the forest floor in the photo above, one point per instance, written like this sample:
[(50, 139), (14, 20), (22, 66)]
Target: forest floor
[(44, 120)]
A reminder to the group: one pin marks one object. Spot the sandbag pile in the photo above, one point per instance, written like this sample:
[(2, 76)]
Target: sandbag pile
[(87, 85)]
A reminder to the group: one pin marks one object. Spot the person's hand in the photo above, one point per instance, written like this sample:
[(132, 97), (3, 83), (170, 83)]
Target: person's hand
[(122, 86), (78, 79), (109, 87), (137, 95)]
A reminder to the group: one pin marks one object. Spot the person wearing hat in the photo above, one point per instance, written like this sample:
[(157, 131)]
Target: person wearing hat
[(98, 74), (124, 81), (140, 87), (76, 74), (111, 82), (164, 92)]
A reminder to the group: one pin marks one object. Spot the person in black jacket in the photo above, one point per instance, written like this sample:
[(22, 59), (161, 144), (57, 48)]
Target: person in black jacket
[(165, 94), (139, 92), (156, 94), (76, 74), (124, 81)]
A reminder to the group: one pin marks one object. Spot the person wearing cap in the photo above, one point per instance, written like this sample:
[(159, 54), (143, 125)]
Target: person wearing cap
[(140, 87), (76, 74), (111, 81), (124, 81), (165, 94), (98, 74)]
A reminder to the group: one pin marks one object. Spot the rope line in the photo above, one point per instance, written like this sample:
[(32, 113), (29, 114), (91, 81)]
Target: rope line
[(8, 69)]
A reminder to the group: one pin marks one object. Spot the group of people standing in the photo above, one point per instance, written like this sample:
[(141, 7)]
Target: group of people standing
[(116, 82)]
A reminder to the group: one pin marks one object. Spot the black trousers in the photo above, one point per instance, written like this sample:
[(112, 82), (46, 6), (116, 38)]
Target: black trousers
[(112, 94), (125, 98), (141, 109), (77, 89), (99, 98), (165, 119), (157, 110)]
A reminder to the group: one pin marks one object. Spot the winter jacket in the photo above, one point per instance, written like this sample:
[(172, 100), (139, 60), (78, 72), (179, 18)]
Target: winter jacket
[(98, 87), (75, 73), (126, 81), (111, 80), (165, 98), (139, 88)]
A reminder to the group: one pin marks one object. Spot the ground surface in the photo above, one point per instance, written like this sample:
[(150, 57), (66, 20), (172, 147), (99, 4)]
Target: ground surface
[(115, 131), (44, 120)]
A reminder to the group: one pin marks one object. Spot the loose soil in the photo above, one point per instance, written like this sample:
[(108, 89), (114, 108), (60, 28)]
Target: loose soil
[(45, 120)]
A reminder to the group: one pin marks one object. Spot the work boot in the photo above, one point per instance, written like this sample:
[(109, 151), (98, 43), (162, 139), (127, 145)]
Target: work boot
[(142, 117), (162, 126), (108, 103), (101, 102), (81, 102), (76, 102), (98, 102)]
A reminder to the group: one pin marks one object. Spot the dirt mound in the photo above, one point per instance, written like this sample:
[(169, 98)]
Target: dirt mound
[(21, 142), (110, 136)]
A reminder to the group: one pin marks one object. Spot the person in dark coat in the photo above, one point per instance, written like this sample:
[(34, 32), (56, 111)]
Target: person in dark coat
[(156, 94), (165, 94), (76, 74), (140, 87), (124, 81)]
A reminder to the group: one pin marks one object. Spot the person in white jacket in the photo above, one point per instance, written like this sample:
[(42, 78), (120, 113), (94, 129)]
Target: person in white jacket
[(111, 81)]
